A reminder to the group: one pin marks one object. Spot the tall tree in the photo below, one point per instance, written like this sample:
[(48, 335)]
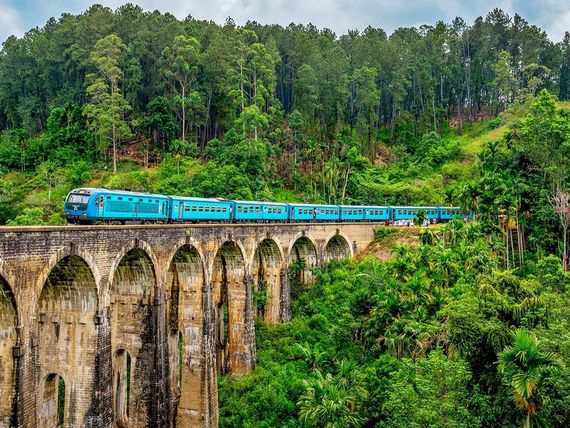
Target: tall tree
[(524, 365), (181, 62), (105, 113)]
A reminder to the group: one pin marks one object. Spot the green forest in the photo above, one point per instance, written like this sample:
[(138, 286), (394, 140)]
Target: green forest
[(466, 325)]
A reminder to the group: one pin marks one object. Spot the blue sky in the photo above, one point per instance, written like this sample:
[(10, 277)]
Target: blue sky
[(18, 16)]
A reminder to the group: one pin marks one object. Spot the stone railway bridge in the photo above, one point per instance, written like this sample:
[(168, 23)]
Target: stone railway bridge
[(129, 326)]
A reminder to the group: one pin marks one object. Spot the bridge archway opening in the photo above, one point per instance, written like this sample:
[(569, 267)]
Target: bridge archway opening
[(229, 298), (122, 378), (337, 249), (267, 279), (52, 404), (8, 339), (184, 288), (133, 315), (304, 257), (67, 336)]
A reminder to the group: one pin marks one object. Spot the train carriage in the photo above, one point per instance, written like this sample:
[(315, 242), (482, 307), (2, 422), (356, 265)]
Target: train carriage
[(260, 211), (352, 213), (411, 213), (448, 213), (310, 212), (199, 209), (373, 213)]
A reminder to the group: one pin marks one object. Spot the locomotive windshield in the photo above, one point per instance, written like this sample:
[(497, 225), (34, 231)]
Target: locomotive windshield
[(75, 198)]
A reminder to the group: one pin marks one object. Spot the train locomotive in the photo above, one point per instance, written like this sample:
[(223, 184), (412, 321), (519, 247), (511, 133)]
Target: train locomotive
[(104, 206)]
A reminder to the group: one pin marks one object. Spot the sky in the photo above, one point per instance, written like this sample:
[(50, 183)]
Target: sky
[(553, 16)]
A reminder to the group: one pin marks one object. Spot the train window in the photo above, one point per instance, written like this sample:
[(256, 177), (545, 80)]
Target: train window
[(108, 197), (200, 209), (186, 207), (119, 198), (239, 208), (207, 209), (256, 209), (130, 199)]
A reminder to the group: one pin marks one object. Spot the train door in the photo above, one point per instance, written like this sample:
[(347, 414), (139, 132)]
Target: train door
[(100, 206), (180, 210)]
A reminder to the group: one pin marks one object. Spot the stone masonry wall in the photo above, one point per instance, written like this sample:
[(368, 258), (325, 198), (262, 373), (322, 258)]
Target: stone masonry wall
[(132, 320)]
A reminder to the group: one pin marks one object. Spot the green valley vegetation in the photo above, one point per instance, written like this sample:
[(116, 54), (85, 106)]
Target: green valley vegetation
[(438, 336), (470, 328)]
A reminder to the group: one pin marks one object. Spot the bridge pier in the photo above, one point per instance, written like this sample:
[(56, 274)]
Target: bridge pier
[(132, 323)]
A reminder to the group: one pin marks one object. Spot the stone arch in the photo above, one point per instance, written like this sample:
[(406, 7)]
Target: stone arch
[(267, 273), (136, 244), (67, 336), (52, 402), (185, 282), (337, 248), (68, 251), (134, 317), (122, 380), (233, 318), (304, 251), (8, 340)]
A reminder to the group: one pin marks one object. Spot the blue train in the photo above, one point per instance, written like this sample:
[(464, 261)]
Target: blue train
[(104, 206)]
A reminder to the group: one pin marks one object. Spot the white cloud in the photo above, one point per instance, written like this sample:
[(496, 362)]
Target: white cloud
[(338, 15), (10, 21)]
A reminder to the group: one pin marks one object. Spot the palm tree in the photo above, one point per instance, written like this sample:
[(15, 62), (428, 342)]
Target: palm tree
[(325, 404), (524, 365)]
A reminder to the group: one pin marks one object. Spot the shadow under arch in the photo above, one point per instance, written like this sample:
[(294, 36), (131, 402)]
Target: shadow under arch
[(68, 334), (55, 259), (337, 248), (267, 272), (134, 318), (134, 245), (304, 254), (52, 402), (8, 340), (233, 317), (185, 282)]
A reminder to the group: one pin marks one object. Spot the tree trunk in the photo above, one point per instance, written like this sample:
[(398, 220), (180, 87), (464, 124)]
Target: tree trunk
[(183, 113), (564, 251), (459, 118)]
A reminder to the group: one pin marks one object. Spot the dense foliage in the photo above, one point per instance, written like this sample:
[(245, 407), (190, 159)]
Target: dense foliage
[(468, 329), (437, 336)]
